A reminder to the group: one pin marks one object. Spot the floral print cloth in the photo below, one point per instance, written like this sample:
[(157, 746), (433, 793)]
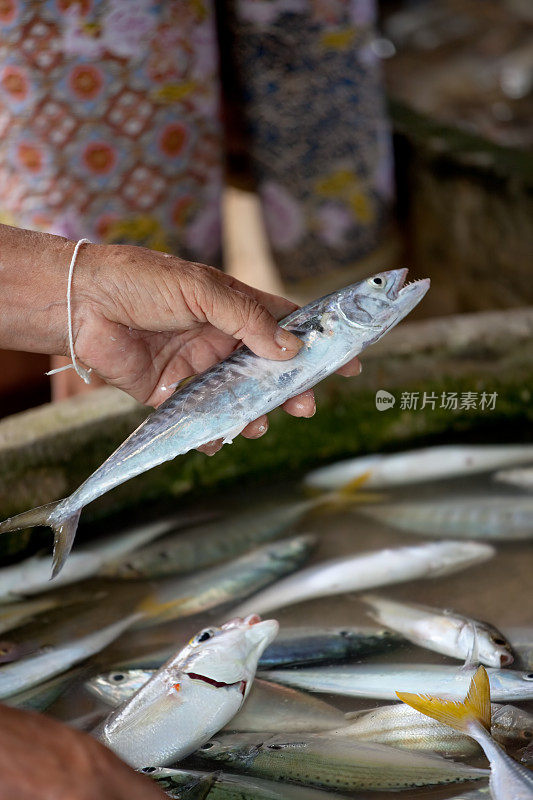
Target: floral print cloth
[(110, 123)]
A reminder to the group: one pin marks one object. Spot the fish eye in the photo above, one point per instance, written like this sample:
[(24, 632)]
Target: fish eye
[(148, 770), (207, 746), (498, 640), (203, 636), (117, 677), (377, 282), (528, 676), (526, 734)]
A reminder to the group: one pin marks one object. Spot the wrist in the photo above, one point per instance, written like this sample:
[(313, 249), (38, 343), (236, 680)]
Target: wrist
[(33, 283)]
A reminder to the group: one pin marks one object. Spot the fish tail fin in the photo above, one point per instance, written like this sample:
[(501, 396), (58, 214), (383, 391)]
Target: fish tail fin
[(64, 532), (349, 494), (456, 713), (64, 527)]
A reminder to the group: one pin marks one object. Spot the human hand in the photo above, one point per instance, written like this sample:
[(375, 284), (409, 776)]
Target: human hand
[(145, 320), (41, 759)]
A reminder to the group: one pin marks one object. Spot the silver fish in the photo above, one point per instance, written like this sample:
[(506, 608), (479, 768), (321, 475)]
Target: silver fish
[(334, 763), (179, 597), (509, 780), (179, 783), (208, 544), (219, 403), (500, 518), (32, 576), (416, 466), (268, 707), (443, 631), (367, 571), (297, 646), (15, 614), (191, 697), (382, 681), (34, 669), (516, 477), (399, 725), (41, 696)]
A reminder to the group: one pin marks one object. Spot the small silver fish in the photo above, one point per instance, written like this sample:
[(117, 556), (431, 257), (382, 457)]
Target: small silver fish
[(443, 631), (399, 725), (268, 707), (42, 695), (173, 598), (498, 518), (14, 614), (334, 763), (368, 570), (191, 697), (178, 783), (219, 403), (516, 477), (417, 466), (508, 779), (21, 675), (208, 544), (378, 680)]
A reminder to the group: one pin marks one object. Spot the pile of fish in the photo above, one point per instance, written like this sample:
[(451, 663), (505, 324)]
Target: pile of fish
[(152, 640), (232, 709)]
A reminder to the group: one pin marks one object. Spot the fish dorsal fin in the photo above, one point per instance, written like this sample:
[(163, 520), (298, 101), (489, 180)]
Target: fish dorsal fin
[(456, 714)]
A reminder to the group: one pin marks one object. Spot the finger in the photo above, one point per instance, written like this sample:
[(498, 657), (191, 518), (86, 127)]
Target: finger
[(303, 405), (351, 369), (211, 447), (278, 306), (256, 429), (238, 314)]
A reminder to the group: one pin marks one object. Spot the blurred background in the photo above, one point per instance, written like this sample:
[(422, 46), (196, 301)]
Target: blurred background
[(298, 144)]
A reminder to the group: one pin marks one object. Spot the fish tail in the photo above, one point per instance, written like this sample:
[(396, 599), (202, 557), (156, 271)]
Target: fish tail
[(349, 494), (63, 525), (456, 713)]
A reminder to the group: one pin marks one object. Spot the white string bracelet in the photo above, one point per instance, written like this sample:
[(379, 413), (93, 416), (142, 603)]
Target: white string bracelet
[(83, 373)]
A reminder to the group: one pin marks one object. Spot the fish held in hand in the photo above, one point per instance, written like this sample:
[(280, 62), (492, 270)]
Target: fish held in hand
[(219, 403), (367, 571), (443, 631), (508, 779), (191, 697)]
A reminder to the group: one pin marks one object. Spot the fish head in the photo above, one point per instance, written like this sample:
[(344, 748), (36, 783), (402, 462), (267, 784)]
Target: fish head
[(118, 685), (230, 653), (230, 748), (493, 648), (381, 301), (512, 726)]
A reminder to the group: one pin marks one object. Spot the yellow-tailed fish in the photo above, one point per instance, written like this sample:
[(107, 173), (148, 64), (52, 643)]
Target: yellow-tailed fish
[(383, 470), (509, 780)]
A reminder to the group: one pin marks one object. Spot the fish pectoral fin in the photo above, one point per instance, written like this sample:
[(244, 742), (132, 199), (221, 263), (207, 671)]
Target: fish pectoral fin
[(455, 713), (156, 710)]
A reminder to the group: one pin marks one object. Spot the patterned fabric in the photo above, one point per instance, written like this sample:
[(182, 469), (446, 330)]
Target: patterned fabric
[(110, 126), (109, 121), (318, 136)]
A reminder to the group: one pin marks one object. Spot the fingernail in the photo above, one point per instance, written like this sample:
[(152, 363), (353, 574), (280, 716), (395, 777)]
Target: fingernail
[(360, 368), (287, 341)]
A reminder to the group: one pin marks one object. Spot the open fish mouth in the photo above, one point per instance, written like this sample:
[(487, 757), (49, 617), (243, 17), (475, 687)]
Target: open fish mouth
[(400, 287), (241, 685)]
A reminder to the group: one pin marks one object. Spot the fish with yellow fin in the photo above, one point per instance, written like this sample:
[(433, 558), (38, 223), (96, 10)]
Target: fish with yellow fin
[(508, 779)]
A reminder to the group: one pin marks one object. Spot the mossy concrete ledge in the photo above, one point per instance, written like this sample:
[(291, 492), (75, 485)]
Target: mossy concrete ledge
[(47, 452)]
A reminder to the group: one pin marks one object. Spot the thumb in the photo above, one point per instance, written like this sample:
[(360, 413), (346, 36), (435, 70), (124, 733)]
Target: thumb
[(241, 316)]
